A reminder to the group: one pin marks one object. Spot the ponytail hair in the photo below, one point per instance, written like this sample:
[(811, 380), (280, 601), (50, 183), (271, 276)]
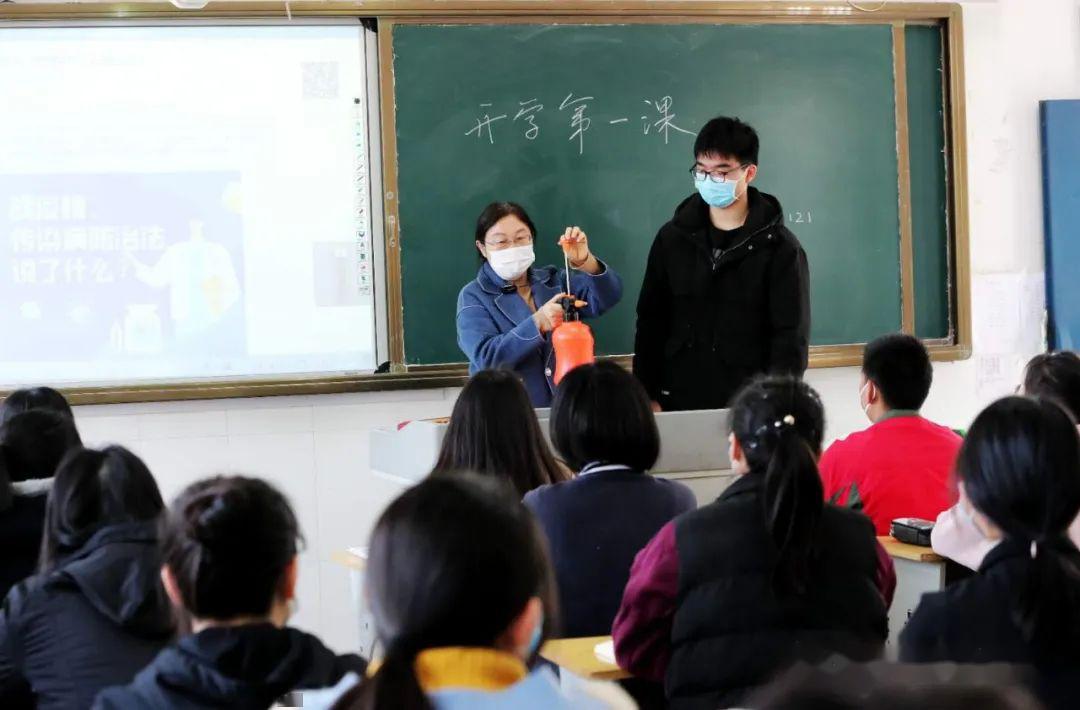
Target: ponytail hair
[(779, 422), (453, 562), (1020, 466)]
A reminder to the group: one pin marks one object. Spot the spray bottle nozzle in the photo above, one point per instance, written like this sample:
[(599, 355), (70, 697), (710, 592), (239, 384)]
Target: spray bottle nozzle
[(572, 308)]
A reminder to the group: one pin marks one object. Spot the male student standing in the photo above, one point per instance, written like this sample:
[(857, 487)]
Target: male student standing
[(726, 289), (900, 466)]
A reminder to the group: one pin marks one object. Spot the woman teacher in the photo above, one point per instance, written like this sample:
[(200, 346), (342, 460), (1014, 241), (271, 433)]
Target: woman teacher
[(505, 316)]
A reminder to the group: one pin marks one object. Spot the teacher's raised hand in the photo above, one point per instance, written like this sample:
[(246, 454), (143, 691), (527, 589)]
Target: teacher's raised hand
[(575, 244)]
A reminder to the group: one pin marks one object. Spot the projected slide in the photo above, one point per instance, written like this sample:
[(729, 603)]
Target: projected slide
[(183, 202)]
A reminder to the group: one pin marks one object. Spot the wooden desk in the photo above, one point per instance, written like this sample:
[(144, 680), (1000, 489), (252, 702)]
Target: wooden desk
[(904, 551), (577, 656), (349, 560), (918, 571)]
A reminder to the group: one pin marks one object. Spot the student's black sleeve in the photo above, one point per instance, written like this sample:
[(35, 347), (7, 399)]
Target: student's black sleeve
[(921, 640), (653, 318), (15, 692), (789, 311)]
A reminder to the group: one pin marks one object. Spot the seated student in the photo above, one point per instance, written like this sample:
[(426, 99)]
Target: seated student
[(96, 613), (34, 398), (728, 595), (494, 432), (229, 547), (1054, 376), (602, 424), (1019, 471), (461, 591), (32, 443), (900, 466)]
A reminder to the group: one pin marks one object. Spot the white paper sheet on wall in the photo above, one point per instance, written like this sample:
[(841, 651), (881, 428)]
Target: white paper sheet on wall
[(996, 309), (1009, 317)]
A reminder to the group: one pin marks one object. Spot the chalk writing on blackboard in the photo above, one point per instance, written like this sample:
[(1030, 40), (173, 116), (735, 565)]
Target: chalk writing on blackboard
[(579, 122), (666, 123), (659, 120), (485, 123), (528, 110)]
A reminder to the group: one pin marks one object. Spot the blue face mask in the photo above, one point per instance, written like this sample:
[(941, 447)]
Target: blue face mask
[(717, 194), (537, 637)]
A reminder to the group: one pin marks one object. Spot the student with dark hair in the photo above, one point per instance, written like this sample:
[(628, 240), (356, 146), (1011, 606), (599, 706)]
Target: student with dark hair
[(1052, 376), (726, 293), (883, 685), (505, 315), (726, 596), (460, 587), (95, 613), (494, 432), (32, 444), (602, 425), (1019, 477), (30, 398), (229, 564), (1055, 376), (901, 466)]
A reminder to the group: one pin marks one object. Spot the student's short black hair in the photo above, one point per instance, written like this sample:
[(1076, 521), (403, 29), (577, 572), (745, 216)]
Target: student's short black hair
[(728, 136), (602, 413), (899, 366), (228, 541), (1055, 376)]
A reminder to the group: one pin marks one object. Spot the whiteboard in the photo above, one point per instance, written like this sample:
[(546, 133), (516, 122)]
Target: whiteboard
[(185, 203)]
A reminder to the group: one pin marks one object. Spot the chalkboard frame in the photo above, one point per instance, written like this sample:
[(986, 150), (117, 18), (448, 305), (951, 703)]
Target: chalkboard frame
[(388, 13)]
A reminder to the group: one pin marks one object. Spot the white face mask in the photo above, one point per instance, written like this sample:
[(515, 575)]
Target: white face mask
[(865, 407), (511, 263)]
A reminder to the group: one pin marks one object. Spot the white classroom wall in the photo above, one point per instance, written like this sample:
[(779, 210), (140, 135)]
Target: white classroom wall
[(316, 448)]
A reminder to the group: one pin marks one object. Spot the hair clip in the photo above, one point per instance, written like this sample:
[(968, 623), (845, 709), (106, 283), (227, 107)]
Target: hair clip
[(788, 420)]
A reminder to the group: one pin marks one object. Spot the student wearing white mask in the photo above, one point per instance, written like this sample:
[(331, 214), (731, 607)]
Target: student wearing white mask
[(505, 316)]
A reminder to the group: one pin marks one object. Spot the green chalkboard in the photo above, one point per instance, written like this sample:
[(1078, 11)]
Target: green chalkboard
[(821, 97), (929, 216)]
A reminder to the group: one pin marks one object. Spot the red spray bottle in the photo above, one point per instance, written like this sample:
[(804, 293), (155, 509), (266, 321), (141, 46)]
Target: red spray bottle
[(573, 340)]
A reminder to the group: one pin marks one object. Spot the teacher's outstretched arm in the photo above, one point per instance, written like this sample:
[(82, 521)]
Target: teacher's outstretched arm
[(591, 280), (484, 344)]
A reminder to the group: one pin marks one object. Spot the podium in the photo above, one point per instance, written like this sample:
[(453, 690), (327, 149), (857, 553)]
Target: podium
[(693, 450)]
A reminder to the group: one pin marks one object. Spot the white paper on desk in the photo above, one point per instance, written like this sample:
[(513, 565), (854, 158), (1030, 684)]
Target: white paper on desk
[(605, 651), (361, 552)]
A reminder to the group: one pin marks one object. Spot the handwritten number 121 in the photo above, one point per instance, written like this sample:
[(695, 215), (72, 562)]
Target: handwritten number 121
[(801, 217)]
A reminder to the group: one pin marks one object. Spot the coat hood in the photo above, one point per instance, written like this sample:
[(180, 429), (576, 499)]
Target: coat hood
[(245, 666), (118, 572)]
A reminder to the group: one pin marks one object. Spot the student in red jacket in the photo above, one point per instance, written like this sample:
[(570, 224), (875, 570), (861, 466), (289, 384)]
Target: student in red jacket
[(900, 466)]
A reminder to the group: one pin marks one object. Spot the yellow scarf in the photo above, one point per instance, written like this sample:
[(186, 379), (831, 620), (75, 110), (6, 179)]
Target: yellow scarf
[(466, 668)]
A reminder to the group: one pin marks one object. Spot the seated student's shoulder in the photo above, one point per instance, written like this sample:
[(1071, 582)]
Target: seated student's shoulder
[(851, 445), (844, 522), (676, 491), (944, 433)]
